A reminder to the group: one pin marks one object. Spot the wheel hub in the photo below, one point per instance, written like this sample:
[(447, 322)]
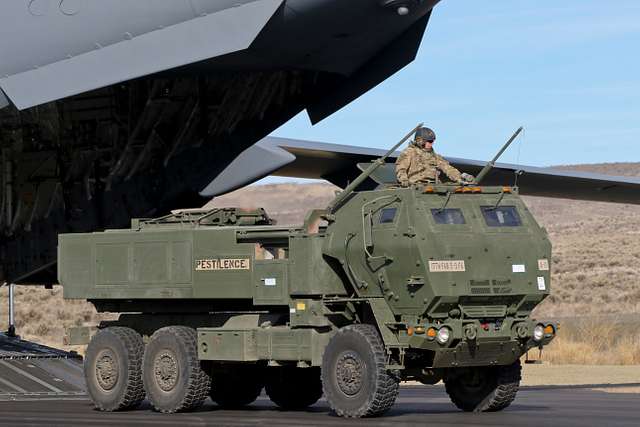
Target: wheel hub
[(106, 369), (349, 371), (165, 370)]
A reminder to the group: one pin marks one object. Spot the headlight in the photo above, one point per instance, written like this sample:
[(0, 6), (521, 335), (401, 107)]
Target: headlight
[(444, 334), (538, 333)]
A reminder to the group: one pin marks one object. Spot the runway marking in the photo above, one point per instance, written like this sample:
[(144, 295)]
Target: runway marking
[(31, 377)]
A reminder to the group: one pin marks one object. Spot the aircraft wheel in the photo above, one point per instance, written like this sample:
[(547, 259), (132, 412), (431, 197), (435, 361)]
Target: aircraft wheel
[(484, 389), (112, 369), (171, 371), (237, 386), (355, 380), (294, 388)]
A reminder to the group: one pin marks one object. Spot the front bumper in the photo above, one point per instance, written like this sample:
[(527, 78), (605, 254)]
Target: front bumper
[(488, 348)]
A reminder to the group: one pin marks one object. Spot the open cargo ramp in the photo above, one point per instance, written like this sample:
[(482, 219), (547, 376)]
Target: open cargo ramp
[(33, 371)]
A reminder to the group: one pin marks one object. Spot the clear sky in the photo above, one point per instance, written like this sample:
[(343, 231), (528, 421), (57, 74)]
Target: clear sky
[(568, 71)]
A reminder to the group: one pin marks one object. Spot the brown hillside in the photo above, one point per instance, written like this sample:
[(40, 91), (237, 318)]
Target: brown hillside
[(620, 169)]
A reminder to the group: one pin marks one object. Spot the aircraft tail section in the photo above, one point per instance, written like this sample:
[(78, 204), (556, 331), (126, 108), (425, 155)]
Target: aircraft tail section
[(111, 41)]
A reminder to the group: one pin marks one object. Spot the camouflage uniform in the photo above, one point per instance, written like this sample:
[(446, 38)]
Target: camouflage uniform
[(418, 166)]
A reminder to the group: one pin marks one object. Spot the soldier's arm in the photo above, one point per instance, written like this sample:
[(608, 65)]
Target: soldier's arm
[(453, 173), (402, 168)]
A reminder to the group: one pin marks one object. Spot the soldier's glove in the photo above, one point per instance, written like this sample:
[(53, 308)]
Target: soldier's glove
[(467, 178)]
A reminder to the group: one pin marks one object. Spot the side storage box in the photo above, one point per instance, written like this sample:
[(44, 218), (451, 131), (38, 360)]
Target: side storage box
[(279, 343), (227, 345)]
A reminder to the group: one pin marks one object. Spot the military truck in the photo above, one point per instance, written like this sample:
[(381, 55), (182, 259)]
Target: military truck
[(425, 283)]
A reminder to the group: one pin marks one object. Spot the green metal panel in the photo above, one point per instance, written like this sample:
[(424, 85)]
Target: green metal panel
[(216, 280), (181, 262), (227, 345), (151, 262), (112, 263), (309, 272), (281, 344), (76, 265), (270, 279)]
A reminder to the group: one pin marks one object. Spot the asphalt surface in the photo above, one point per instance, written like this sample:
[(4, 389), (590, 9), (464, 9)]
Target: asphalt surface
[(415, 406)]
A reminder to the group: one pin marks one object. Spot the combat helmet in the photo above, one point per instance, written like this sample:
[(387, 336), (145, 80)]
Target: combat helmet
[(426, 134)]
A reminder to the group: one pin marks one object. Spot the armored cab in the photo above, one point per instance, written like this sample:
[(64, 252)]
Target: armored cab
[(428, 283)]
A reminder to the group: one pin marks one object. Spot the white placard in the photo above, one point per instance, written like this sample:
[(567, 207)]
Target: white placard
[(518, 268), (541, 284), (270, 281), (543, 264)]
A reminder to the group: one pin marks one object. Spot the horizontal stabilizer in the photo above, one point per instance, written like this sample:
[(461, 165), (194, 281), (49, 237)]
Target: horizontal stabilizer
[(186, 40), (254, 163), (339, 165)]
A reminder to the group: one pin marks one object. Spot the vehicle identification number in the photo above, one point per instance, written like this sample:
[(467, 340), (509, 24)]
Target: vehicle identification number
[(223, 264), (446, 266)]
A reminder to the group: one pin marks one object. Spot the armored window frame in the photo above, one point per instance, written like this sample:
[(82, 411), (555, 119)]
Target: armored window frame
[(501, 216), (448, 216)]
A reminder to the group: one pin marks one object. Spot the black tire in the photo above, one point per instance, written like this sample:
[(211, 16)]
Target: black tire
[(237, 386), (113, 369), (172, 374), (355, 380), (484, 389), (294, 389)]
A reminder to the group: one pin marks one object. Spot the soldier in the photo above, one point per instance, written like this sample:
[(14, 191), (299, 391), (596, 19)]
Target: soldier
[(419, 164)]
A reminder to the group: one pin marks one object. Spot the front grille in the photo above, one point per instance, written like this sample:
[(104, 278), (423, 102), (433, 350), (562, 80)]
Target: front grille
[(477, 287), (484, 311), (486, 287)]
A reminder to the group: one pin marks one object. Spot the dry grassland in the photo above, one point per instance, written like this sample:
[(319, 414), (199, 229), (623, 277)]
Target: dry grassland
[(596, 267)]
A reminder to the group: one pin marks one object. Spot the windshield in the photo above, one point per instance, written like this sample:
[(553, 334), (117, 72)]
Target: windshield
[(448, 216), (503, 216)]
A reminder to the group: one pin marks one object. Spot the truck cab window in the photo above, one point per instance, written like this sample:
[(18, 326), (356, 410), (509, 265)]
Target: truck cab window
[(503, 216), (448, 216), (388, 215)]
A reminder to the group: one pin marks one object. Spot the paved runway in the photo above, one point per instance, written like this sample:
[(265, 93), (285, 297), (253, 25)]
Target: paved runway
[(415, 406)]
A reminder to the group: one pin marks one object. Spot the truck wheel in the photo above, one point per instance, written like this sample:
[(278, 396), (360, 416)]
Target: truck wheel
[(294, 388), (237, 386), (112, 369), (355, 380), (171, 372), (484, 389)]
